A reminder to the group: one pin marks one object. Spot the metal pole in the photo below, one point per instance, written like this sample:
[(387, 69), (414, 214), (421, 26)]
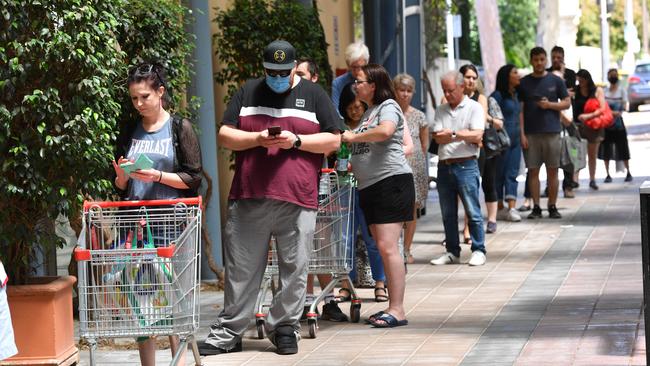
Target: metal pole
[(451, 63), (604, 38), (203, 86)]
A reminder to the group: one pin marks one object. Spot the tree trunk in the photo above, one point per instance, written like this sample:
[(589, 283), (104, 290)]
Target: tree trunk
[(489, 31)]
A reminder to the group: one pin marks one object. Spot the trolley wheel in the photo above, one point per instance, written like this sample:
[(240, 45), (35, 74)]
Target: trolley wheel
[(260, 328), (313, 326), (355, 312)]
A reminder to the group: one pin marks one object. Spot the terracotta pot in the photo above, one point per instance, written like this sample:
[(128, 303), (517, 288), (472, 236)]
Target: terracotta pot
[(41, 313)]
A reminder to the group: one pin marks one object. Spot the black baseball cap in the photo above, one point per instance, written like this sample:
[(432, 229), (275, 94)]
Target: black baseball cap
[(279, 55)]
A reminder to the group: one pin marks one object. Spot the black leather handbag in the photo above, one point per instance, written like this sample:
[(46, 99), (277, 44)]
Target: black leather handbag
[(495, 141)]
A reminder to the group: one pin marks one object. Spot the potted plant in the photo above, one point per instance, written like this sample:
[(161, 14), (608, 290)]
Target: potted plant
[(58, 109)]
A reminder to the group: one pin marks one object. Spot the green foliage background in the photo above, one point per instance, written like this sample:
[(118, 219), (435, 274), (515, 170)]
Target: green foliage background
[(63, 66), (589, 26), (245, 28), (518, 20)]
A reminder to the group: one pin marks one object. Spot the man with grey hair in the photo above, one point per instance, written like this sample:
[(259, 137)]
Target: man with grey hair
[(356, 57), (458, 129)]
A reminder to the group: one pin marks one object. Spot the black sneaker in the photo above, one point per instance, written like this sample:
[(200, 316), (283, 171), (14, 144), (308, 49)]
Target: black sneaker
[(206, 349), (608, 179), (536, 213), (553, 213), (333, 313), (285, 340), (593, 185), (628, 177)]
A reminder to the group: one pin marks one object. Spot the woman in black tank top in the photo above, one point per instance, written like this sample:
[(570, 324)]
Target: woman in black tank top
[(588, 89)]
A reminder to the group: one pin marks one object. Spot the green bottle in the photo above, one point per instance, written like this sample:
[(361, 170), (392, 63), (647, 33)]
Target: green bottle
[(342, 159)]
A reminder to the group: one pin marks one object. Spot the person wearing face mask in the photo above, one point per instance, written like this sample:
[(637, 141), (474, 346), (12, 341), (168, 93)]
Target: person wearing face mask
[(615, 146), (279, 127)]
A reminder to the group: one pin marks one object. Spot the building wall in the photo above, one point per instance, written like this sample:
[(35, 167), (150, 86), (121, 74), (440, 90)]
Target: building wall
[(337, 19)]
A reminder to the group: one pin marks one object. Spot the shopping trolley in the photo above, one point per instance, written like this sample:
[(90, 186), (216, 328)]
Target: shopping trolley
[(139, 263), (331, 252)]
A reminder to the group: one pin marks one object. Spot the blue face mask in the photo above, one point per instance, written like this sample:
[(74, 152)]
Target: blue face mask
[(278, 83)]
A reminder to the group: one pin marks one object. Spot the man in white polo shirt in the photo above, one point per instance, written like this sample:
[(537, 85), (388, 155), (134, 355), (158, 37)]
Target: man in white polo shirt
[(458, 129)]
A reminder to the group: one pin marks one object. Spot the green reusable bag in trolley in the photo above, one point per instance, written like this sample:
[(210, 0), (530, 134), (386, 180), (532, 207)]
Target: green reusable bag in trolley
[(145, 279), (573, 156)]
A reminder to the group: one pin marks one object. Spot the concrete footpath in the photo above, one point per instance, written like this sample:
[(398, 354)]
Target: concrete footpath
[(553, 292)]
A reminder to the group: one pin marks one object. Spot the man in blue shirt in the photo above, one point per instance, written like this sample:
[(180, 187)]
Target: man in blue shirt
[(542, 96), (356, 57)]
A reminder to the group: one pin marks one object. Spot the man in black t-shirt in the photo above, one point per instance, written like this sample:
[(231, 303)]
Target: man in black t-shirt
[(542, 96), (279, 127)]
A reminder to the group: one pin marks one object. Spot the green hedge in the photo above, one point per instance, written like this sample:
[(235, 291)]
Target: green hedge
[(63, 66)]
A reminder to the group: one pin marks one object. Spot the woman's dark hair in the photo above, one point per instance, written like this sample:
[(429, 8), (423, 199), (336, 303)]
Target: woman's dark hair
[(591, 86), (347, 97), (152, 73), (383, 85), (503, 79), (463, 69)]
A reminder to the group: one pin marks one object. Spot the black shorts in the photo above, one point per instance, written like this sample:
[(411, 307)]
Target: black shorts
[(390, 200)]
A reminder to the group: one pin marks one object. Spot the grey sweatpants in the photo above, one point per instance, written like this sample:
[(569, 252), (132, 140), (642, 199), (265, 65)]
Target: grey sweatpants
[(249, 227)]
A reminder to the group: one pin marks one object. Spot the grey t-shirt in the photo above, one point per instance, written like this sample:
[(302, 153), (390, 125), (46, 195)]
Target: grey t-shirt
[(374, 161), (158, 146)]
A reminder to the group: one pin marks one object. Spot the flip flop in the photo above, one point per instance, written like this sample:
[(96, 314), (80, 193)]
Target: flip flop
[(374, 316), (389, 321), (344, 298)]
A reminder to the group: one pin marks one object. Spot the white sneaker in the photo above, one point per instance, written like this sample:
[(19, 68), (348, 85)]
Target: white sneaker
[(513, 215), (478, 258), (446, 258), (503, 214)]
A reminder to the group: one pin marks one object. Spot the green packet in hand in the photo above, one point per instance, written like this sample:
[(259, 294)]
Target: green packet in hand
[(143, 162)]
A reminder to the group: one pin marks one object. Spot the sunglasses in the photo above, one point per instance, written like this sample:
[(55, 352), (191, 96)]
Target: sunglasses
[(276, 73)]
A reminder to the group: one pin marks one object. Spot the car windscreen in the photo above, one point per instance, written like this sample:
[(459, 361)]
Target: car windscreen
[(642, 69)]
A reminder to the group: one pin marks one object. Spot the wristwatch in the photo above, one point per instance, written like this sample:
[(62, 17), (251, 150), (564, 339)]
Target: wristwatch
[(297, 143), (453, 135)]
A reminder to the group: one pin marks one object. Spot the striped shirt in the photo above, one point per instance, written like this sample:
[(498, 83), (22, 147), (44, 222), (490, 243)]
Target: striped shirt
[(273, 173)]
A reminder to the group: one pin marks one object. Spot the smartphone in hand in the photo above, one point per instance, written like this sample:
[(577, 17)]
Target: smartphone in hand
[(274, 130)]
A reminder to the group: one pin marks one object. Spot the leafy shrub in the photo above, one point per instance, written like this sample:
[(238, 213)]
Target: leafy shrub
[(247, 26), (63, 66)]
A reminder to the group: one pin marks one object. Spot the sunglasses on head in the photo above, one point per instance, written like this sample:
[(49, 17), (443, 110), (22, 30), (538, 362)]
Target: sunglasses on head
[(281, 73)]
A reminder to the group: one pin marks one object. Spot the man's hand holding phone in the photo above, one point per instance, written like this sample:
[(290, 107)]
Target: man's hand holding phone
[(274, 137)]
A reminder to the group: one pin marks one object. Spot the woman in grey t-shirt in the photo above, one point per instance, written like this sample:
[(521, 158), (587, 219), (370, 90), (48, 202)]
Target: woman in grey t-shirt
[(386, 190)]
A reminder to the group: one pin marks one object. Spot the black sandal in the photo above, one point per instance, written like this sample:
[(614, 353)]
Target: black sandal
[(379, 297), (344, 298)]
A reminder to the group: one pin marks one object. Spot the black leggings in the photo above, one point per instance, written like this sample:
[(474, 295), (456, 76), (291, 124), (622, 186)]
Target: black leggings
[(488, 168)]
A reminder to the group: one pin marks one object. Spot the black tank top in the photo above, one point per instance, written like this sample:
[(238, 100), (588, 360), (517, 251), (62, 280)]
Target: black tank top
[(474, 97)]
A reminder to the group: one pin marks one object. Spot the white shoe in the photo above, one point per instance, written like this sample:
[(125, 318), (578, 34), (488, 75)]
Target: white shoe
[(503, 214), (513, 215), (478, 258), (446, 258)]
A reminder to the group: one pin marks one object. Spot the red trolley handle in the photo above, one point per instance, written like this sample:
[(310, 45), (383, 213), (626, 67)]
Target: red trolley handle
[(327, 170), (108, 204)]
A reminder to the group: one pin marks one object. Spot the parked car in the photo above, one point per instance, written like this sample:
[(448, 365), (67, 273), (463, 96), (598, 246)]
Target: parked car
[(638, 86)]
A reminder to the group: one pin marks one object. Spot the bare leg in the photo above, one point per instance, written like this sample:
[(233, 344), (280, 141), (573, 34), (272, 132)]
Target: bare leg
[(386, 236), (512, 204), (174, 342), (592, 151), (533, 184), (553, 185), (491, 211), (147, 352), (409, 233), (606, 162)]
